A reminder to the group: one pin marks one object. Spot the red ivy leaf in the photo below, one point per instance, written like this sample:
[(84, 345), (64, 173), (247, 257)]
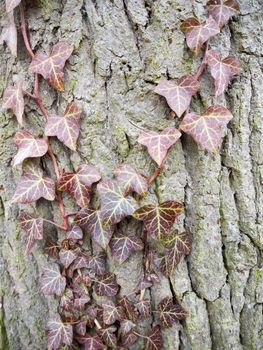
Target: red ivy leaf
[(51, 67), (127, 326), (75, 233), (67, 299), (222, 71), (128, 308), (198, 33), (129, 339), (28, 146), (79, 303), (159, 144), (178, 96), (169, 313), (33, 227), (9, 34), (114, 206), (92, 220), (106, 285), (158, 219), (67, 257), (144, 308), (13, 99), (66, 128), (154, 339), (108, 336), (97, 264), (123, 246), (59, 333), (78, 184), (11, 4), (177, 246), (111, 312), (81, 326), (93, 342), (221, 10), (206, 129), (130, 180), (33, 186), (51, 281), (51, 248)]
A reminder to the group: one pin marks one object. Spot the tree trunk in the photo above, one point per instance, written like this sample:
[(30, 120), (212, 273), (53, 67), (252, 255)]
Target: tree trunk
[(122, 49)]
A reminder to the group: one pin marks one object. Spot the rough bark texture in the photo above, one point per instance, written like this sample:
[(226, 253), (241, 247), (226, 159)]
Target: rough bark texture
[(122, 49)]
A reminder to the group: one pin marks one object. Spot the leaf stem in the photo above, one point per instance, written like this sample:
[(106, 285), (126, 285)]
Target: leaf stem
[(157, 170), (203, 63), (53, 223), (24, 31)]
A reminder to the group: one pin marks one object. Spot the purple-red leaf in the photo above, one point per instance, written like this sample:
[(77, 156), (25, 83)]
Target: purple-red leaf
[(106, 285), (207, 129), (97, 264), (178, 96), (33, 186), (92, 220), (169, 313), (222, 70), (111, 312), (222, 10), (51, 248), (75, 233), (78, 184), (158, 219), (123, 246), (158, 144), (130, 180), (67, 300), (144, 308), (9, 34), (59, 333), (51, 67), (67, 257), (81, 326), (127, 326), (128, 308), (51, 281), (129, 339), (11, 4), (198, 33), (28, 146), (93, 342), (108, 336), (114, 206), (33, 226), (14, 99), (66, 128), (79, 303), (154, 339)]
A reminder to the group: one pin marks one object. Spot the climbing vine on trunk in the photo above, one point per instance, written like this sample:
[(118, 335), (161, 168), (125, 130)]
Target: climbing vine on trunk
[(75, 272)]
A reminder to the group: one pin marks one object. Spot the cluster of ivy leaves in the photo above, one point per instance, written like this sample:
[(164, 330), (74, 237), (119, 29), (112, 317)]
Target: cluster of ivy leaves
[(74, 272)]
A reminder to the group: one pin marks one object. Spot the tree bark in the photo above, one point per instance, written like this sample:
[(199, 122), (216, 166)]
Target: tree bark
[(122, 49)]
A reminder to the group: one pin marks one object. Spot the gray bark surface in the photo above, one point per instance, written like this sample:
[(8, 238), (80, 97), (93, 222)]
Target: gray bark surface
[(122, 49)]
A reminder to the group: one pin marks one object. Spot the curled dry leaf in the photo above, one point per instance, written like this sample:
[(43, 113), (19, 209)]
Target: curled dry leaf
[(51, 281), (198, 33), (158, 219), (106, 285), (222, 10), (92, 220), (58, 333), (11, 4), (33, 227), (131, 180), (158, 144), (28, 146), (33, 186), (114, 206), (178, 96), (51, 67), (9, 34), (169, 313), (13, 98), (222, 70), (207, 129), (66, 128), (78, 184), (123, 246)]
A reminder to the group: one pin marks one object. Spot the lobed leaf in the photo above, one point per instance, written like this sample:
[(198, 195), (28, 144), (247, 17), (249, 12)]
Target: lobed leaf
[(97, 264), (28, 146), (78, 184), (106, 285), (51, 281), (159, 144), (65, 128), (93, 342), (33, 226), (67, 300), (126, 326), (128, 308), (51, 67), (169, 313), (198, 33), (11, 4), (158, 219), (154, 340), (114, 206), (111, 312), (130, 180), (59, 333), (33, 186), (75, 233), (79, 303), (67, 257), (108, 336), (81, 326), (129, 339), (123, 246), (178, 96), (13, 99), (92, 220), (222, 70), (222, 11), (51, 248), (207, 128), (144, 308)]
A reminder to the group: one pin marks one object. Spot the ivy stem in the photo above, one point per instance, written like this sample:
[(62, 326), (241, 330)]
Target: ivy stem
[(157, 170), (203, 63), (43, 109), (97, 324), (53, 223)]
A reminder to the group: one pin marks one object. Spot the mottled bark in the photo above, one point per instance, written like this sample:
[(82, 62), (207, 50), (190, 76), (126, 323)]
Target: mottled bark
[(122, 49)]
